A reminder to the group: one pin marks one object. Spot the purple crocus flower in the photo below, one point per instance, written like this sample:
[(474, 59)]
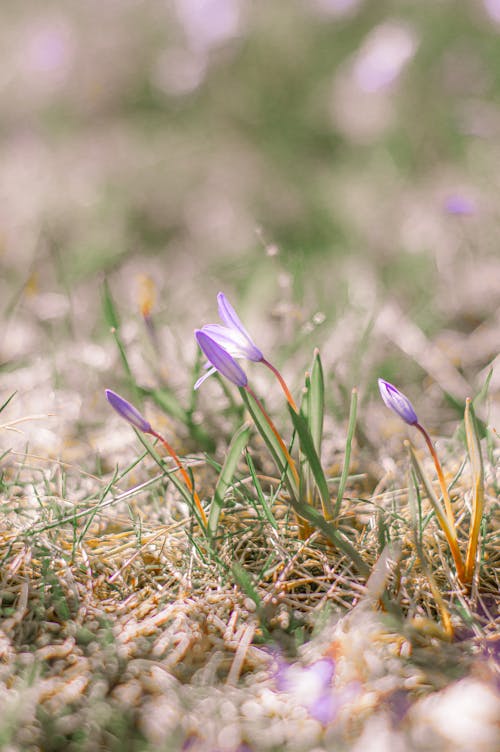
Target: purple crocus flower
[(231, 336), (128, 411), (220, 359), (397, 402), (311, 686)]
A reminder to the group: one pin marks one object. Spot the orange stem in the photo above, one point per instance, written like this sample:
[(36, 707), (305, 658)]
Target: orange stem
[(182, 470), (441, 478), (280, 441), (282, 382), (304, 528)]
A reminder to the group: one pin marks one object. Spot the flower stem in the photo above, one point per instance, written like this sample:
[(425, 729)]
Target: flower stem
[(304, 528), (442, 481), (182, 470), (280, 441), (282, 382)]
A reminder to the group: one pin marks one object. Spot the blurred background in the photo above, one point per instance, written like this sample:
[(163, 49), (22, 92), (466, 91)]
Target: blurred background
[(332, 165)]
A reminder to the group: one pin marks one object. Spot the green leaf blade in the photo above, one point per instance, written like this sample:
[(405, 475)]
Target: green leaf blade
[(308, 449), (236, 447)]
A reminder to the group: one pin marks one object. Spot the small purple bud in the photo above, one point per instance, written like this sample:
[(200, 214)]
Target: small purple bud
[(396, 401), (221, 359), (459, 205), (128, 411)]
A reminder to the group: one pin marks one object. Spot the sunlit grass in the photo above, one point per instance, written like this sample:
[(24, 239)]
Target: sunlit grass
[(343, 197)]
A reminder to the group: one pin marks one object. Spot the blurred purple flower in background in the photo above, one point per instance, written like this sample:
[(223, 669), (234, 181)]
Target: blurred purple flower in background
[(311, 686), (209, 23), (459, 205), (492, 8), (385, 52), (397, 402)]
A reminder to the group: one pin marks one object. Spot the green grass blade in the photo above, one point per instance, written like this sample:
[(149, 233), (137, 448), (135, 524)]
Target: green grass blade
[(258, 489), (110, 312), (316, 402), (244, 581), (353, 410), (308, 449), (476, 461), (429, 490), (2, 407), (338, 539), (172, 475), (483, 392), (271, 443), (415, 506), (113, 321), (307, 488), (236, 447)]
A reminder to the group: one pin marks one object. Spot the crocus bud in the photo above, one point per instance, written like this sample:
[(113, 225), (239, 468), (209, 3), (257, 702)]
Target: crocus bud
[(396, 401), (128, 411), (220, 359)]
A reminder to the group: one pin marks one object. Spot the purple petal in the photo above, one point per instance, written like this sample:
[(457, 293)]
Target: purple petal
[(228, 314), (210, 370), (226, 338), (325, 709), (281, 674), (128, 411), (221, 359), (324, 669), (231, 319), (398, 703), (396, 401)]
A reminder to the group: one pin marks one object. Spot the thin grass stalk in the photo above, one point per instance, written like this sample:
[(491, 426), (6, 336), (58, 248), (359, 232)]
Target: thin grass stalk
[(307, 487), (258, 489), (476, 460), (413, 495), (279, 451), (283, 447), (185, 476), (306, 442), (312, 408), (113, 321), (440, 513), (348, 448), (238, 443)]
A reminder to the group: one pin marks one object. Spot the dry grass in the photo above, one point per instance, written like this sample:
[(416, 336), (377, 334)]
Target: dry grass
[(320, 207), (118, 624)]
